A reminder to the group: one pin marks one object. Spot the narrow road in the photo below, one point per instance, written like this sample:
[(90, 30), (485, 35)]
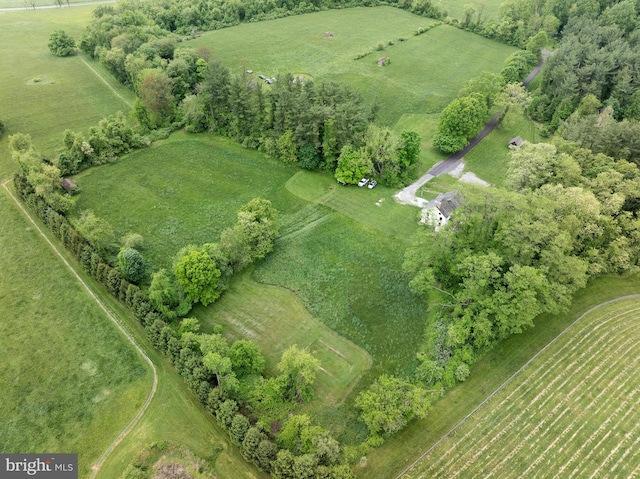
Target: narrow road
[(96, 467), (407, 195)]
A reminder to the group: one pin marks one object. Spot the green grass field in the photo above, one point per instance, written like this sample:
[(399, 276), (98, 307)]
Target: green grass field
[(275, 318), (425, 73), (571, 411), (182, 192), (186, 191), (67, 372), (42, 94)]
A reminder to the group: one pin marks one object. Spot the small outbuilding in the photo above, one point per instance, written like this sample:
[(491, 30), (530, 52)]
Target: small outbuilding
[(69, 186), (515, 142)]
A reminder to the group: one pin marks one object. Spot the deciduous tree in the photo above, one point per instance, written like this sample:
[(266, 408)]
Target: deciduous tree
[(198, 275), (61, 44)]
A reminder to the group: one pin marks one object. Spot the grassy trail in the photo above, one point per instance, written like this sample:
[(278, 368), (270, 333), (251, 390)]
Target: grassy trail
[(116, 322)]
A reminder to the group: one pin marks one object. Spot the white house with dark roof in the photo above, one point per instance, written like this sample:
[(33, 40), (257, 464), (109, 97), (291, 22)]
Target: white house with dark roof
[(439, 210)]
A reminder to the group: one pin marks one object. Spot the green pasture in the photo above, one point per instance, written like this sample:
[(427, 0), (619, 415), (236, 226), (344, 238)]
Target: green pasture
[(82, 382), (339, 252), (424, 75), (275, 318), (570, 411), (486, 376), (375, 208), (70, 380), (350, 276), (184, 191), (42, 94)]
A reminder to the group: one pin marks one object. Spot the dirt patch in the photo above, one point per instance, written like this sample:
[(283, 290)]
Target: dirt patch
[(470, 177), (172, 470), (41, 80), (327, 35)]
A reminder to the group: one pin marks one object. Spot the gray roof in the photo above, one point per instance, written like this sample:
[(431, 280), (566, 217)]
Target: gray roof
[(447, 203), (517, 141)]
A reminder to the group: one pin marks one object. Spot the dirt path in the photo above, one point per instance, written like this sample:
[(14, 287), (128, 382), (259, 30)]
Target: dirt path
[(97, 73), (111, 316), (511, 378)]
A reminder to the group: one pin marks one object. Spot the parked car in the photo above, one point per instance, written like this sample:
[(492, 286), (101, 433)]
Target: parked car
[(372, 184), (363, 182)]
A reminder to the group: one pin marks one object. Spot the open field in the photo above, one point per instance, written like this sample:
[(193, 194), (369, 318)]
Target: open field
[(174, 414), (67, 372), (355, 284), (42, 94), (275, 318), (182, 192), (425, 73), (571, 412), (375, 208)]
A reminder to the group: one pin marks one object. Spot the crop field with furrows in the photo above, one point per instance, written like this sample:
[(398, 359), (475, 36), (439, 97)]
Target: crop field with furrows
[(571, 412)]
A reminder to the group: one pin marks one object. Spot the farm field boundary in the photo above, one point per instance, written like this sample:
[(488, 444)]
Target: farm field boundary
[(498, 423), (136, 418)]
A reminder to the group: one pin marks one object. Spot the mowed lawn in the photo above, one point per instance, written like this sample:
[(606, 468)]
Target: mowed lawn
[(42, 94), (275, 318), (572, 412), (424, 75), (70, 380)]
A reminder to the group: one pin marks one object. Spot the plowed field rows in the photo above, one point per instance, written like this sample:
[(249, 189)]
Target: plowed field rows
[(574, 411)]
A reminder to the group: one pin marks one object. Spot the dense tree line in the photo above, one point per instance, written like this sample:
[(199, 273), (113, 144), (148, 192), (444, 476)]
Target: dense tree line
[(508, 255), (296, 120), (595, 57)]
